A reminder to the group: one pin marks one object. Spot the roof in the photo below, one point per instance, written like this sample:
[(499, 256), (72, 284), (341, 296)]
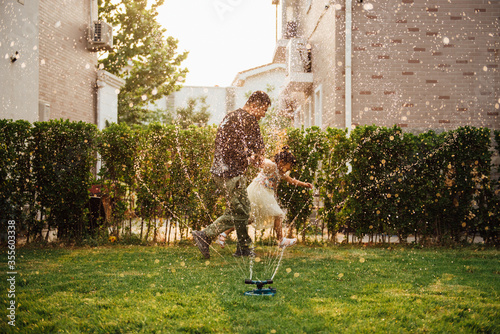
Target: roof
[(241, 77)]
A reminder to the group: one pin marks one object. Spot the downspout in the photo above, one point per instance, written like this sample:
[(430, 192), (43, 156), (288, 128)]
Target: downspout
[(348, 66), (348, 71)]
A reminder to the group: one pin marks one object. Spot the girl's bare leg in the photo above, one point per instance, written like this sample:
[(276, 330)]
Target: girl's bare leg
[(278, 228), (283, 242)]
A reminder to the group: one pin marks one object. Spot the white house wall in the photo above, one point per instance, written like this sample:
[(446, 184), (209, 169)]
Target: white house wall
[(216, 99), (19, 79), (274, 79)]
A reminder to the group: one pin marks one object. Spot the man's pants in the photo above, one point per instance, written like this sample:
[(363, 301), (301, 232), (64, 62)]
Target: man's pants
[(237, 212)]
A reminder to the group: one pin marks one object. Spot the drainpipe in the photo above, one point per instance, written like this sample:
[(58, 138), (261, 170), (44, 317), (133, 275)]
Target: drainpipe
[(348, 65), (348, 71)]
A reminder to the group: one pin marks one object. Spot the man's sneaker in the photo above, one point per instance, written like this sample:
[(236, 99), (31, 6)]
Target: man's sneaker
[(203, 242), (244, 252)]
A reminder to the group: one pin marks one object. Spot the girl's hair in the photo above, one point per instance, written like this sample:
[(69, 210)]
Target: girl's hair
[(285, 156)]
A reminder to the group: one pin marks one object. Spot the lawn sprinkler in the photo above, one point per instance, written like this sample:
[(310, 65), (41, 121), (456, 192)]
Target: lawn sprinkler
[(260, 291)]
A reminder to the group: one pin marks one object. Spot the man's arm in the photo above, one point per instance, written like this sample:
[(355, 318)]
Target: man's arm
[(256, 159)]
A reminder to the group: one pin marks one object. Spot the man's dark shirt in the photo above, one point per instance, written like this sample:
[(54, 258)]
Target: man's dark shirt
[(238, 137)]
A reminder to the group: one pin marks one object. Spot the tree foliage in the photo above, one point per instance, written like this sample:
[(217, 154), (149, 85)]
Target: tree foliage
[(142, 55)]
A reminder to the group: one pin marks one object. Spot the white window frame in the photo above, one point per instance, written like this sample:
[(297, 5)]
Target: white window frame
[(318, 106), (309, 115), (297, 117)]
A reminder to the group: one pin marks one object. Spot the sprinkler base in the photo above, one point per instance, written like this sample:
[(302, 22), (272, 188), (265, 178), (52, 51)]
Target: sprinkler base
[(261, 292)]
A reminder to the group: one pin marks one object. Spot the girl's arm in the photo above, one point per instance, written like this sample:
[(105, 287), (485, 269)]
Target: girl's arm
[(296, 182)]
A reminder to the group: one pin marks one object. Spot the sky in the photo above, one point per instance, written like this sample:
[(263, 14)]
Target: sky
[(223, 37)]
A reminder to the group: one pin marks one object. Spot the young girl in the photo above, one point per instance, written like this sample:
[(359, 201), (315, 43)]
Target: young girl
[(265, 211)]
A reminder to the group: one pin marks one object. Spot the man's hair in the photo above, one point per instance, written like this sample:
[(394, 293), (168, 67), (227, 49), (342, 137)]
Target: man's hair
[(259, 98)]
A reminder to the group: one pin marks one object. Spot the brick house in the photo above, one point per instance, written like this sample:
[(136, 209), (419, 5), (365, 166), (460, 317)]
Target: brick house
[(420, 64), (55, 73)]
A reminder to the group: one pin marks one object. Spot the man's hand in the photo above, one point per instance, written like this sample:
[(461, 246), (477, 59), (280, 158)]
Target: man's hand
[(256, 159)]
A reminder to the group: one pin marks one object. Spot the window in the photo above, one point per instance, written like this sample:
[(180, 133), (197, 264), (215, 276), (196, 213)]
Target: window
[(318, 106)]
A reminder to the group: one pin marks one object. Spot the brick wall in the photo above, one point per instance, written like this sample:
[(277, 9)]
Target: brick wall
[(420, 64), (67, 68)]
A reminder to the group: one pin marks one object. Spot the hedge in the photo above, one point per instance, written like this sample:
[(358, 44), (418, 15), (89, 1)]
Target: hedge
[(431, 185), (375, 181)]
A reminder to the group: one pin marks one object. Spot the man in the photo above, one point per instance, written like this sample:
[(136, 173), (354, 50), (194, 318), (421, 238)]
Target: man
[(238, 142)]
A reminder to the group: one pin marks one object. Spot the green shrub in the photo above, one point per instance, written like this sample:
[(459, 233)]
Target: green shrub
[(17, 200), (63, 158), (374, 181)]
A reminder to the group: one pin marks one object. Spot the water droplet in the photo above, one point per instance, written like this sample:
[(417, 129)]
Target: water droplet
[(446, 40), (58, 24), (368, 6)]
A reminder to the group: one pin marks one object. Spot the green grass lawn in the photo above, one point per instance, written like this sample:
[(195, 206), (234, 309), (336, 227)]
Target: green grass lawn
[(346, 289)]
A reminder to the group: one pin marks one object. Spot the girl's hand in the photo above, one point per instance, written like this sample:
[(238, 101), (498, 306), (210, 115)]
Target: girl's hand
[(308, 185)]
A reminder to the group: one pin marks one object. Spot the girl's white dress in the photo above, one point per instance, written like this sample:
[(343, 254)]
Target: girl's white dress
[(261, 192)]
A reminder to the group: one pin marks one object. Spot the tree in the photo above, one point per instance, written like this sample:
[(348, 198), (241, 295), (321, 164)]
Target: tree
[(142, 55), (196, 112), (189, 115)]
